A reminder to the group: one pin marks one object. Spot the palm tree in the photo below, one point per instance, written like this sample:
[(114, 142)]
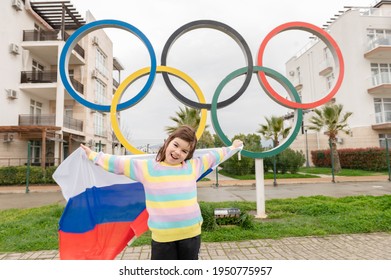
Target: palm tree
[(331, 120), (274, 130), (186, 116), (191, 117)]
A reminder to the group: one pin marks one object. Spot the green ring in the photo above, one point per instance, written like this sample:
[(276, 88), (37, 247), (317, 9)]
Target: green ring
[(298, 116)]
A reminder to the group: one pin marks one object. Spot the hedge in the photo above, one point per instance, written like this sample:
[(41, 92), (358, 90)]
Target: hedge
[(17, 175), (371, 159)]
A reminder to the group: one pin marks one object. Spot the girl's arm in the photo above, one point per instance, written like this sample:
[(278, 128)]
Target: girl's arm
[(216, 156), (115, 164)]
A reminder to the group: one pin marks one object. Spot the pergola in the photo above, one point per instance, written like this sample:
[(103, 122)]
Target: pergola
[(60, 15)]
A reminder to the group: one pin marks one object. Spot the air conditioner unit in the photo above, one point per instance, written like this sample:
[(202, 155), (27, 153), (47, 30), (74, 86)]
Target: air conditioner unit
[(8, 137), (14, 48), (12, 94), (339, 140), (94, 74), (95, 40), (17, 4)]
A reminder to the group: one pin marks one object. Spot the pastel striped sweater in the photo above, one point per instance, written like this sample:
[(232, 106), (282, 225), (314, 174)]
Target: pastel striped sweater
[(170, 191)]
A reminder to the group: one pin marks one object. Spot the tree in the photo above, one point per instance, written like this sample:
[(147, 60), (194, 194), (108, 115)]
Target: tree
[(274, 130), (206, 141), (246, 165), (191, 117), (186, 116), (331, 120)]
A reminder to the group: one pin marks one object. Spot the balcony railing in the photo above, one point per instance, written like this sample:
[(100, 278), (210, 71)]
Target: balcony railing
[(77, 47), (26, 120), (73, 123), (38, 77), (35, 161), (376, 42), (381, 78), (115, 83), (77, 85), (34, 35), (50, 120), (47, 77)]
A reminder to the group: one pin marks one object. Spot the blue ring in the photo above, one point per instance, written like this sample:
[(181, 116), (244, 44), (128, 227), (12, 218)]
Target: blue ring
[(71, 43)]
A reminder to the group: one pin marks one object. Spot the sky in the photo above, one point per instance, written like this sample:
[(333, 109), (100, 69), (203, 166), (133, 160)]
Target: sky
[(206, 55)]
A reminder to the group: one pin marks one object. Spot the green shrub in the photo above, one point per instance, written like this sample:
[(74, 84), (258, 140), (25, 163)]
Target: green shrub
[(371, 159), (207, 212), (17, 175), (290, 160)]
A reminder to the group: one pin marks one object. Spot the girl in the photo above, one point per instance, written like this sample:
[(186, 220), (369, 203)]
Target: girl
[(170, 190)]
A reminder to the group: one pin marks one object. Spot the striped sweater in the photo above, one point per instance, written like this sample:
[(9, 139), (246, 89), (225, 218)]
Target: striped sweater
[(170, 191)]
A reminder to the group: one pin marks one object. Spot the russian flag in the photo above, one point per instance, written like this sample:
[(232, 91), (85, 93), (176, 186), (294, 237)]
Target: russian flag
[(104, 211)]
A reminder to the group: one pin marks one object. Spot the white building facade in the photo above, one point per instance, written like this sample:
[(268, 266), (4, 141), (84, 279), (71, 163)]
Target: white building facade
[(364, 37), (36, 110)]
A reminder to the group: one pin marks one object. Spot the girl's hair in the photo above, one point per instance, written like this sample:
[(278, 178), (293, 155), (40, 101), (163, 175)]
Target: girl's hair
[(185, 133)]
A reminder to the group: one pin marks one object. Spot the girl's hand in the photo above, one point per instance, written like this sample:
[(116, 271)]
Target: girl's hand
[(86, 149), (237, 143)]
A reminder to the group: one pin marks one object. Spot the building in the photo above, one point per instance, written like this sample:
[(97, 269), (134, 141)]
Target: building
[(364, 37), (36, 111)]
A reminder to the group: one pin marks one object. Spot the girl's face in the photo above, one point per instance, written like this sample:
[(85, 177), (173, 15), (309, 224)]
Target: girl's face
[(177, 151)]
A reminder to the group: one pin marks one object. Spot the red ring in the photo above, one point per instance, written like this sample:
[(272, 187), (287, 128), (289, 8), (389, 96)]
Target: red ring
[(327, 39)]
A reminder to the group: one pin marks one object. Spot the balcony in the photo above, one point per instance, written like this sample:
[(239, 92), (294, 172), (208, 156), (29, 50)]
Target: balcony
[(72, 123), (326, 67), (43, 77), (44, 44), (297, 83), (49, 120), (379, 83), (115, 83), (378, 48), (383, 121)]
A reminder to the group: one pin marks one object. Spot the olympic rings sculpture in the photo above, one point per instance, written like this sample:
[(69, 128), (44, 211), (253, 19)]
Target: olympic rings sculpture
[(248, 71)]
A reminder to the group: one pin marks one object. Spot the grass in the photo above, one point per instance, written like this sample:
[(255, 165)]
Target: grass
[(268, 175), (306, 172), (36, 228), (343, 172)]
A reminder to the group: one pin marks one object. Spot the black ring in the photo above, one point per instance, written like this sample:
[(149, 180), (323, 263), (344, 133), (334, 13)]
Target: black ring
[(223, 28)]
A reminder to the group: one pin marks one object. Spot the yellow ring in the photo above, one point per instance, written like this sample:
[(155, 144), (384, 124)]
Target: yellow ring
[(133, 77)]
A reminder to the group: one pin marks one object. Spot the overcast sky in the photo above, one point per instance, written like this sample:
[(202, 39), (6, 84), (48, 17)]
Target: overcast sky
[(206, 55)]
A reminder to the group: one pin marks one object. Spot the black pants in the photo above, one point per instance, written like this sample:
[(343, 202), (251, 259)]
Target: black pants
[(185, 249)]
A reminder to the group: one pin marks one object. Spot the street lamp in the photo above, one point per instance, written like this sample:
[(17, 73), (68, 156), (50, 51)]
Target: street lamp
[(306, 149)]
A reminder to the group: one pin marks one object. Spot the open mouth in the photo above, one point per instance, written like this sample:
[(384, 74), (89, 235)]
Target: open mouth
[(174, 157)]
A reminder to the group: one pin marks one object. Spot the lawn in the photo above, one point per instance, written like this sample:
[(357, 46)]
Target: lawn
[(36, 228)]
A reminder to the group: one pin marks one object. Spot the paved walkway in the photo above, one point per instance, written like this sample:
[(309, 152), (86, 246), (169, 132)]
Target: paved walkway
[(373, 246)]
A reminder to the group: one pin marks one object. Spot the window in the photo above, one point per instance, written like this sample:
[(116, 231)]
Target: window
[(35, 107), (35, 112), (100, 92), (298, 74), (329, 80), (35, 151), (68, 111), (378, 33), (377, 37), (101, 62), (381, 73), (382, 110), (327, 54), (382, 140), (99, 147), (99, 124), (37, 70)]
